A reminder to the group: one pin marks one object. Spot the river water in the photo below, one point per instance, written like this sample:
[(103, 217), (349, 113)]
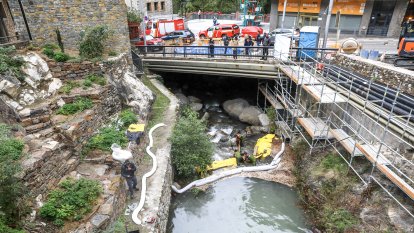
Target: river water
[(240, 205)]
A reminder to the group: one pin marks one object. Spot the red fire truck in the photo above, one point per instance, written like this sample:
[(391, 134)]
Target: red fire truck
[(161, 27)]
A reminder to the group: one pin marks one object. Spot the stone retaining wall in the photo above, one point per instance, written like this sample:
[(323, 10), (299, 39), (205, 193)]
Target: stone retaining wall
[(72, 71), (7, 114), (72, 17), (378, 71)]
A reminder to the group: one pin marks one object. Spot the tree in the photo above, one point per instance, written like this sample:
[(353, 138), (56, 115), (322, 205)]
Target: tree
[(190, 147)]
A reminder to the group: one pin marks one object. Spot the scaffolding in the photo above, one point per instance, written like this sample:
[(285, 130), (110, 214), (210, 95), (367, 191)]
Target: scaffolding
[(323, 106)]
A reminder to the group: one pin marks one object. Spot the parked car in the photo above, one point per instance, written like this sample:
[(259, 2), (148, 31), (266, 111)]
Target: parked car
[(285, 31), (219, 31), (187, 35), (252, 31), (156, 42)]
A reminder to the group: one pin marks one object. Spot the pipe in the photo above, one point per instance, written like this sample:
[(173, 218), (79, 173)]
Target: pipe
[(146, 175), (274, 164)]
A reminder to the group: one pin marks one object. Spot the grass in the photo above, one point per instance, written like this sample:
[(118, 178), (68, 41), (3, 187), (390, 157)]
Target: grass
[(127, 117), (160, 104), (67, 87), (94, 78), (79, 105)]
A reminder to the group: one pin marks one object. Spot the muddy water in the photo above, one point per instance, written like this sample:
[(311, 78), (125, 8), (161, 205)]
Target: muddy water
[(238, 205)]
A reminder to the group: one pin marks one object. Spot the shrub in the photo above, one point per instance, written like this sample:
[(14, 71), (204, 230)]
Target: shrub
[(11, 188), (71, 201), (127, 117), (87, 83), (61, 57), (338, 220), (94, 78), (59, 39), (134, 17), (190, 146), (6, 229), (105, 138), (48, 52), (93, 40), (50, 46), (112, 53), (9, 64), (67, 88), (78, 105)]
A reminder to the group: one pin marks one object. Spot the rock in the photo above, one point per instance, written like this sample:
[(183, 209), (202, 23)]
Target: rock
[(24, 113), (28, 99), (36, 70), (106, 209), (60, 102), (137, 95), (400, 219), (250, 115), (51, 145), (54, 86), (194, 99), (92, 169), (205, 116), (253, 130), (196, 106), (182, 98), (235, 107), (369, 216), (9, 88), (264, 120), (99, 219)]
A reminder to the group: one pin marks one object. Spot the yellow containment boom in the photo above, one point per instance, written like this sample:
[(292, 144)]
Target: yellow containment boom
[(263, 146), (136, 128), (231, 162)]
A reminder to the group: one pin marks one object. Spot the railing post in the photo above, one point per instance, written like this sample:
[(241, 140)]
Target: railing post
[(185, 51), (163, 51)]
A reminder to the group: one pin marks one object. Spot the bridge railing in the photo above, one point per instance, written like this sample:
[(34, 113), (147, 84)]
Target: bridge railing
[(227, 52)]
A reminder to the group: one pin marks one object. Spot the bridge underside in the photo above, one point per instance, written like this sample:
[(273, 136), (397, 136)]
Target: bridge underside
[(213, 67)]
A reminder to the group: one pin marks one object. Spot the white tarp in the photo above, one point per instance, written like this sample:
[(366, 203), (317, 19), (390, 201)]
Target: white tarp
[(282, 45)]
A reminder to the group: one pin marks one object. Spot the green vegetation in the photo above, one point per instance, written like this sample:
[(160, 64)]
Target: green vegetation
[(94, 78), (92, 44), (118, 226), (227, 6), (112, 53), (127, 117), (159, 106), (271, 114), (67, 87), (9, 63), (49, 51), (11, 188), (134, 16), (190, 146), (71, 201), (6, 229), (78, 105), (338, 219)]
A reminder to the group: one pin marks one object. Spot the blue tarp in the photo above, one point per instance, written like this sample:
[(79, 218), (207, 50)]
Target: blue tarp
[(205, 50)]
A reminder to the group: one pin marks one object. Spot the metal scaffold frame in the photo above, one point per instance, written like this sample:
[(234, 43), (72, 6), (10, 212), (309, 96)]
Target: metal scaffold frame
[(301, 80)]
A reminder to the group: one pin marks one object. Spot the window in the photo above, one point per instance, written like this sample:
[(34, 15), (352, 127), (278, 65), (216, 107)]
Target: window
[(149, 6), (156, 6), (163, 6), (226, 28), (210, 29)]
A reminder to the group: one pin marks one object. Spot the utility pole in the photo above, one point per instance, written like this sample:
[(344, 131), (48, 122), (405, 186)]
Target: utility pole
[(284, 13), (328, 20)]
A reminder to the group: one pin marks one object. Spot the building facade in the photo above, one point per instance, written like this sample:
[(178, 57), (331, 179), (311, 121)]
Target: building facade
[(152, 8), (357, 17)]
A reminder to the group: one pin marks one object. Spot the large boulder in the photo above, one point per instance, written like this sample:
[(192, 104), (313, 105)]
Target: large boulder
[(235, 107), (36, 70), (182, 98), (264, 120), (250, 115), (196, 106), (193, 99)]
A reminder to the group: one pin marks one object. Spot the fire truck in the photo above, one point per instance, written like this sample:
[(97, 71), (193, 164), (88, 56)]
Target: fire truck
[(161, 27)]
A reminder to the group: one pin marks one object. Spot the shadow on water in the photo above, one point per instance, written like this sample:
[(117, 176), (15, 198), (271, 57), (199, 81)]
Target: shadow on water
[(238, 205)]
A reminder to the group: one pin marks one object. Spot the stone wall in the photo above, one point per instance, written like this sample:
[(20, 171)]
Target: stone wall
[(168, 8), (72, 17), (7, 114), (70, 71), (8, 21), (378, 71)]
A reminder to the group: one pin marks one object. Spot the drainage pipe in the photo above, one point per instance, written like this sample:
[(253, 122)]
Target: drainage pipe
[(274, 164), (146, 175)]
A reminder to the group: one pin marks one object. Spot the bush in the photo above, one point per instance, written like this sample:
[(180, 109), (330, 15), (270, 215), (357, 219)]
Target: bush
[(11, 188), (71, 201), (79, 105), (61, 57), (112, 53), (93, 40), (105, 138), (6, 229), (49, 52), (67, 88), (87, 83), (50, 46), (338, 220), (9, 64), (127, 117), (94, 78), (190, 146), (134, 17)]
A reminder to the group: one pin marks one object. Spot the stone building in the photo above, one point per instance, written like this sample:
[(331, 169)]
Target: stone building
[(40, 19), (7, 28), (358, 17), (152, 8)]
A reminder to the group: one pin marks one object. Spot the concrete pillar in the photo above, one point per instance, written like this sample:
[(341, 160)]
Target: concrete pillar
[(274, 15), (397, 18), (363, 28), (323, 13)]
